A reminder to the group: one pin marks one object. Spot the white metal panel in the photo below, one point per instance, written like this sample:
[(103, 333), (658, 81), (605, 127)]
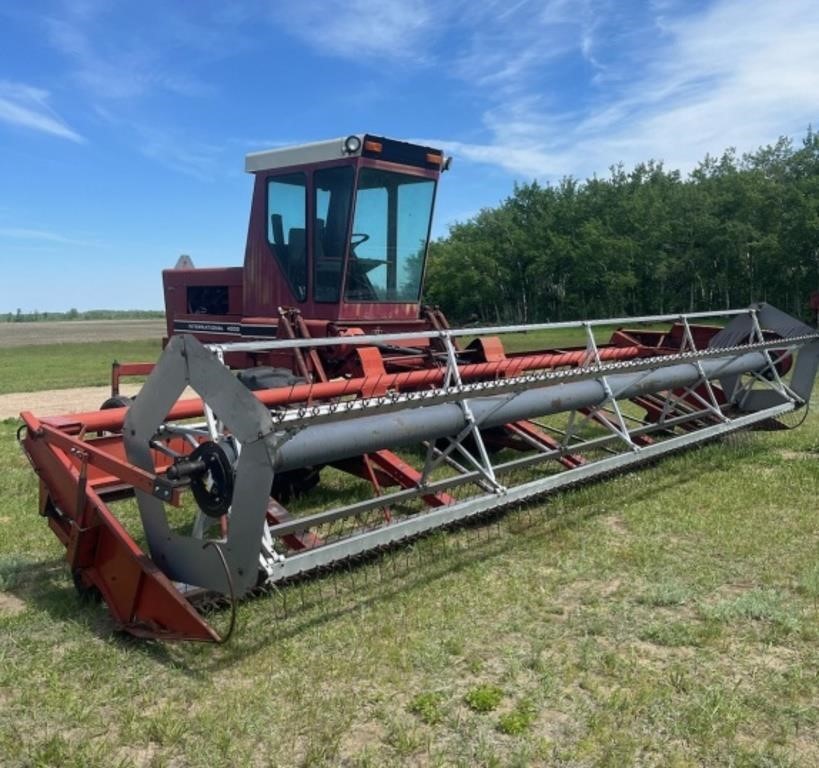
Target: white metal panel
[(315, 152)]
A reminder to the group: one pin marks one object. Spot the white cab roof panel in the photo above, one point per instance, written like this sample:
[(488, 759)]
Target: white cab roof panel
[(316, 152)]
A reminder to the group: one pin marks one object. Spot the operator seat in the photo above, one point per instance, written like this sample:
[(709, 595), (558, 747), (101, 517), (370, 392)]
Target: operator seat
[(297, 261)]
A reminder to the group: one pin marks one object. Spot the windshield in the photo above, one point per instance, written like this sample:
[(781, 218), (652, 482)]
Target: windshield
[(389, 239)]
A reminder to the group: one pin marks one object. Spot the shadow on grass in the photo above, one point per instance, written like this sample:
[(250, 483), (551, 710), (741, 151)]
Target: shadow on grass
[(374, 579), (297, 607), (45, 586), (338, 591), (318, 599)]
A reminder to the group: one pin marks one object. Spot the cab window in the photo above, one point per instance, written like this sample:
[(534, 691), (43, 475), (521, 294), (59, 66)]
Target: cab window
[(286, 233)]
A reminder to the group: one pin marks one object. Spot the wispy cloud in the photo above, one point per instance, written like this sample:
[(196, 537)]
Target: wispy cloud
[(510, 46), (111, 68), (706, 80), (121, 63), (199, 160), (27, 107), (41, 236), (387, 29)]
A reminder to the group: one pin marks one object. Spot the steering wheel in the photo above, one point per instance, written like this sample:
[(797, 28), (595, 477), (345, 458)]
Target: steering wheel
[(363, 237)]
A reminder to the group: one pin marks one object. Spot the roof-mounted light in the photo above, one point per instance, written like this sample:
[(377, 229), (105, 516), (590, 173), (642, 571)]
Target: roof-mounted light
[(373, 146), (352, 144)]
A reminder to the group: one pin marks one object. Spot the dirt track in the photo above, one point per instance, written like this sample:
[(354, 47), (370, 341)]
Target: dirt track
[(78, 331), (57, 401)]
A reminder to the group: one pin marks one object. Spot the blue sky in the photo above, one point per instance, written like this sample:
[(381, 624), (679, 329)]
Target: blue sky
[(123, 126)]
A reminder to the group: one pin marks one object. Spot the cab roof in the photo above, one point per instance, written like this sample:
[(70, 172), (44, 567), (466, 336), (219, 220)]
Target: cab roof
[(354, 145)]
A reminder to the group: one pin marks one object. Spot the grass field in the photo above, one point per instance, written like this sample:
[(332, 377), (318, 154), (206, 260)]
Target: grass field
[(60, 355), (36, 368), (668, 617)]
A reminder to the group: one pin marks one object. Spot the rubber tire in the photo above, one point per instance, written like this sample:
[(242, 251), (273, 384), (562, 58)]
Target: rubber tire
[(117, 401)]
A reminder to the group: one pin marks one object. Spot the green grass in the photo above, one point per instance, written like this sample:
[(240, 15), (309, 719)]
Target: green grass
[(518, 721), (551, 338), (668, 617), (559, 338), (60, 366), (483, 697), (428, 706)]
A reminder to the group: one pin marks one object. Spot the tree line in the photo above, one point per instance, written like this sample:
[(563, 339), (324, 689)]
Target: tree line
[(645, 241), (73, 314)]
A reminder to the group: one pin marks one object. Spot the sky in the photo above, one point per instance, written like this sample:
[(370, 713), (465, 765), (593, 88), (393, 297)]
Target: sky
[(124, 126)]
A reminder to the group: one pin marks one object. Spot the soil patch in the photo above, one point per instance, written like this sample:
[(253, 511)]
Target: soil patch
[(57, 401), (10, 605)]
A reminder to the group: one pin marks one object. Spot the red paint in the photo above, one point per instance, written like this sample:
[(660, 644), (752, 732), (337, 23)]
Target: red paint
[(142, 600)]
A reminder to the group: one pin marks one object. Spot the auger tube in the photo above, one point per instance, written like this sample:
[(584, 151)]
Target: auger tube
[(325, 443)]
